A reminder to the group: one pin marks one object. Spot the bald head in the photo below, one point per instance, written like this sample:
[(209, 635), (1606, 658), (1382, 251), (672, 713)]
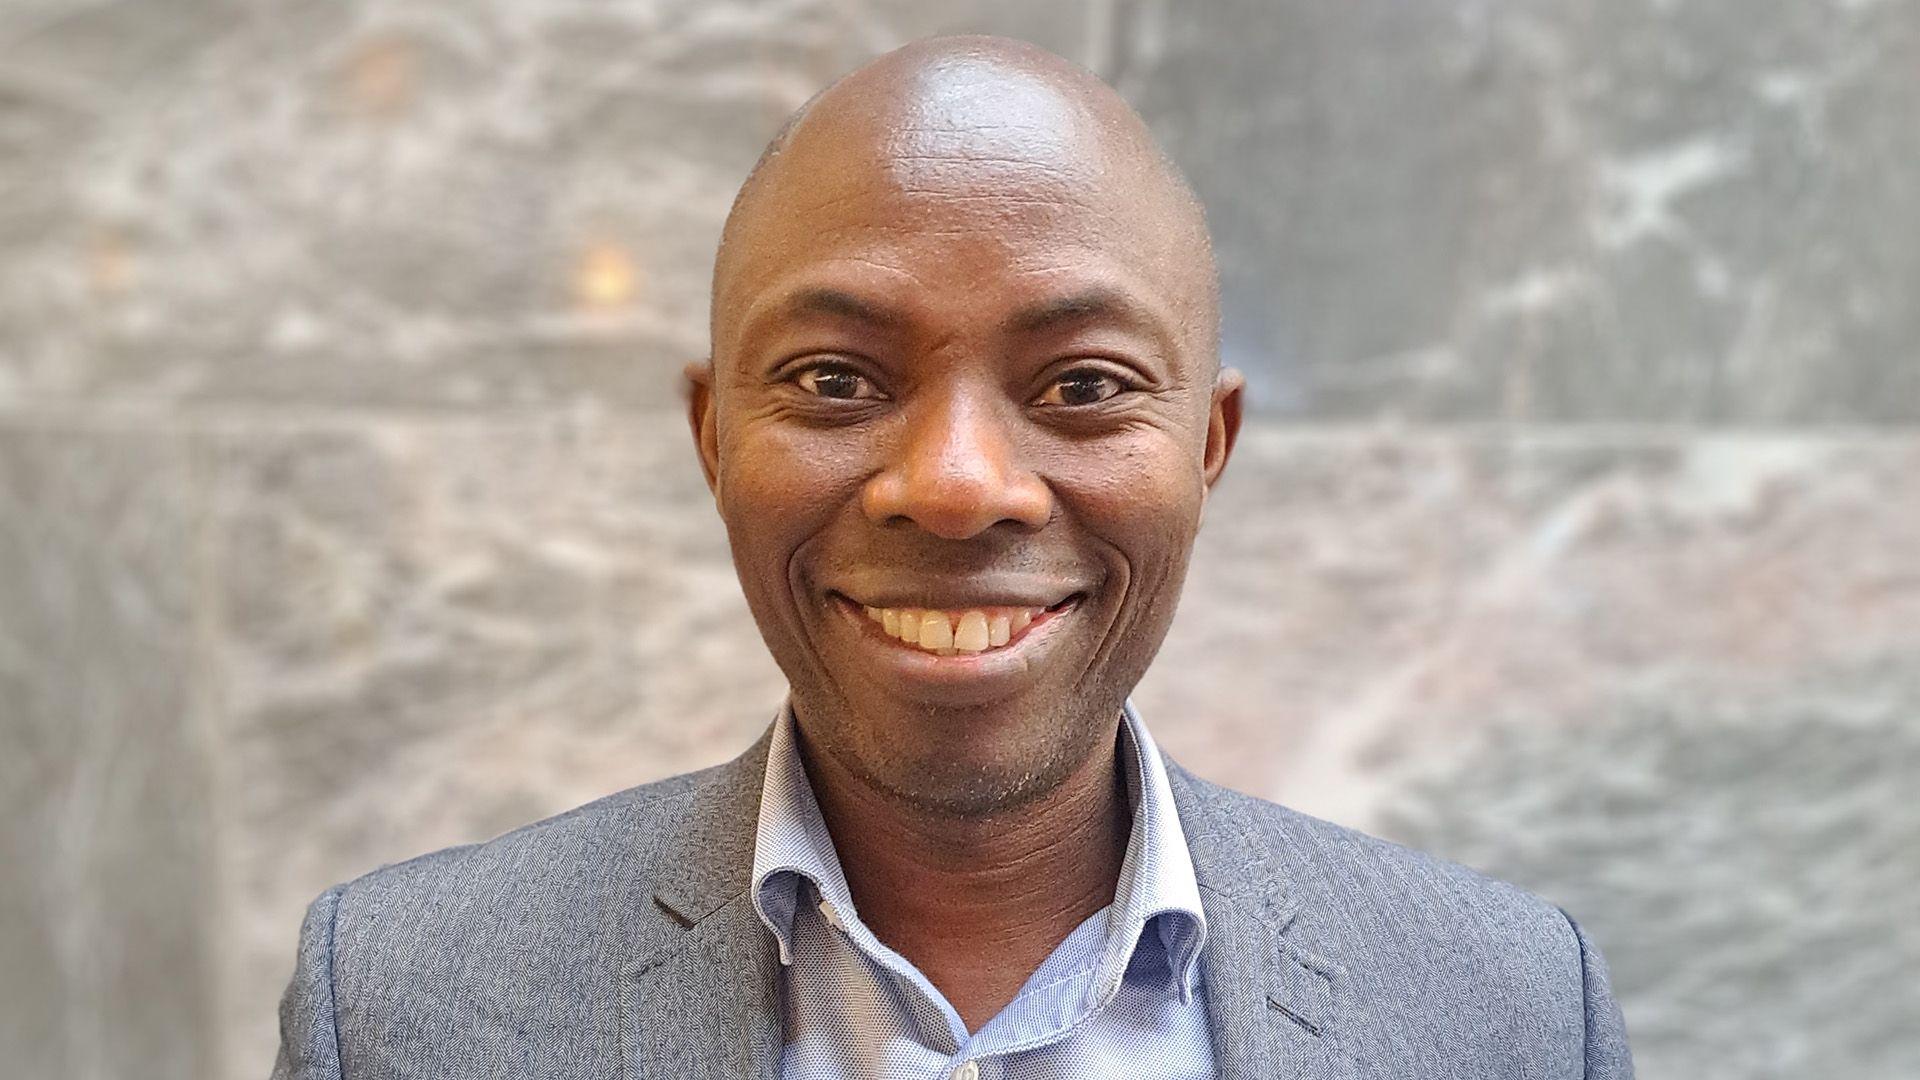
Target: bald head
[(987, 122)]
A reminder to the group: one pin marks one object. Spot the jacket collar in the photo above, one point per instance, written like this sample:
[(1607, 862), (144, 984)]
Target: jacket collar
[(1272, 1006), (701, 995)]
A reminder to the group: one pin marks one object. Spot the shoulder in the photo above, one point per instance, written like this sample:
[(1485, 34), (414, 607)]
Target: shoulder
[(544, 913), (1386, 913), (559, 862), (1326, 862), (1393, 931)]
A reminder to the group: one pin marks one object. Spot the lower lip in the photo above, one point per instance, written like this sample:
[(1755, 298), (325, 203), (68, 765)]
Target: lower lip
[(1006, 662)]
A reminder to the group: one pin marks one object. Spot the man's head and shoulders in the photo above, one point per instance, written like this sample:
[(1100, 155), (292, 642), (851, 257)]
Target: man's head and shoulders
[(961, 418)]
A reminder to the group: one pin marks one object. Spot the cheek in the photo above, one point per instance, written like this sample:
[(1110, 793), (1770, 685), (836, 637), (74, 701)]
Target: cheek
[(1141, 495), (778, 486), (1141, 499)]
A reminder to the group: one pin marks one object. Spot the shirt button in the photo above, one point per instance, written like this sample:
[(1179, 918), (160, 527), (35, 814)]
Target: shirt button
[(831, 914), (967, 1071)]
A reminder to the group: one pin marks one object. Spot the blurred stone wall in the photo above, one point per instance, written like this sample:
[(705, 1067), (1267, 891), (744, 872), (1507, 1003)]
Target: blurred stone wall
[(346, 509)]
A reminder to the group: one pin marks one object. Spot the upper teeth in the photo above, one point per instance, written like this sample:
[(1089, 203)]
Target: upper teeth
[(948, 632)]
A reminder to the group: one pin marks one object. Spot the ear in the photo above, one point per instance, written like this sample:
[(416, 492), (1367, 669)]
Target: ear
[(700, 418), (1223, 424)]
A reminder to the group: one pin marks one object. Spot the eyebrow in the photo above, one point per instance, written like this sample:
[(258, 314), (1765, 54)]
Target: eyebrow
[(839, 304), (1099, 302), (1095, 303)]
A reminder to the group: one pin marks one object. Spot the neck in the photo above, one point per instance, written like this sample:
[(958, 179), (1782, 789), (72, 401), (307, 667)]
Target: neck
[(977, 902)]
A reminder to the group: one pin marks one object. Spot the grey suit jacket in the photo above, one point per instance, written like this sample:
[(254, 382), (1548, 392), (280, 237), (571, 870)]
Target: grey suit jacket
[(618, 941)]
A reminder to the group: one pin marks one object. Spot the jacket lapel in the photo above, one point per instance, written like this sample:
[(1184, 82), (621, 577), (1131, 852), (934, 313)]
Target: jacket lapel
[(701, 996), (1272, 1006), (710, 1006)]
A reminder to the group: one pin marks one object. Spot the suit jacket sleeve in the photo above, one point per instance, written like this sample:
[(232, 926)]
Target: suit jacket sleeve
[(1608, 1057), (309, 1042)]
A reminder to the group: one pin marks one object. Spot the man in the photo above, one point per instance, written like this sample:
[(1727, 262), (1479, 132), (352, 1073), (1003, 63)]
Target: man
[(961, 417)]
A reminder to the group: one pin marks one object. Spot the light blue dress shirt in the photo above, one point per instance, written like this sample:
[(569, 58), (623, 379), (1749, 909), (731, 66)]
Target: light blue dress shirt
[(1120, 996)]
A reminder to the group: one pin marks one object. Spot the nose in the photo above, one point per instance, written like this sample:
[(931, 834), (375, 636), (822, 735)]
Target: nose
[(956, 472)]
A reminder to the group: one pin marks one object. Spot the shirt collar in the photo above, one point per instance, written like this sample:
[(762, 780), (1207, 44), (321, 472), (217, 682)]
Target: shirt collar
[(1156, 888)]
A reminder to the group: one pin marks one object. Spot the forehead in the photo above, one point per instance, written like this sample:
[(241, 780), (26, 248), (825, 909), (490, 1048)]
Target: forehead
[(960, 202)]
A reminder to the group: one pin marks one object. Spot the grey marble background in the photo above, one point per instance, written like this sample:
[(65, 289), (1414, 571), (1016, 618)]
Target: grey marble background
[(346, 511)]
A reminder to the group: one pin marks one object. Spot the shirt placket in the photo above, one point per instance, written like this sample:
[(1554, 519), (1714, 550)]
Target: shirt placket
[(935, 1024)]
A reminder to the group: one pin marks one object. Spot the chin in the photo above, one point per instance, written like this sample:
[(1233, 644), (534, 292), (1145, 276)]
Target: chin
[(969, 761)]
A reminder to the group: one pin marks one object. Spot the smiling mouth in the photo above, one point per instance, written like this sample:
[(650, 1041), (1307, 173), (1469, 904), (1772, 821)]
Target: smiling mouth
[(962, 631)]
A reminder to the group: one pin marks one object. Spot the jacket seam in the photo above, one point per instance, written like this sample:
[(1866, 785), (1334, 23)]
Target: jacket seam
[(333, 988), (1586, 1006), (1278, 903)]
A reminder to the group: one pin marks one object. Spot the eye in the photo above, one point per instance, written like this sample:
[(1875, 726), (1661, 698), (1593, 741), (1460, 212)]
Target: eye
[(837, 382), (1081, 386)]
